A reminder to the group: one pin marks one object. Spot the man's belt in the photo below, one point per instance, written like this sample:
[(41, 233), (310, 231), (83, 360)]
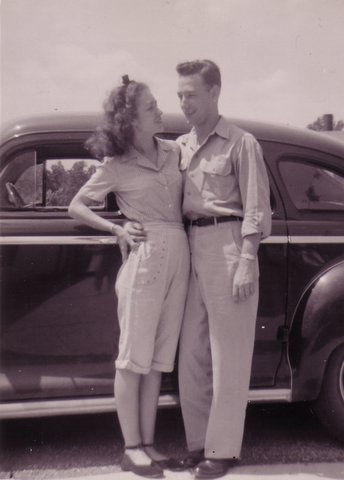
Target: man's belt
[(204, 221)]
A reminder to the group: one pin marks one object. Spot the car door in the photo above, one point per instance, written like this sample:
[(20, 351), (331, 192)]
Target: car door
[(312, 182), (270, 367), (59, 329)]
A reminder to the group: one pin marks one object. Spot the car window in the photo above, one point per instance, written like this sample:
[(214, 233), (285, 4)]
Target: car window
[(312, 186), (51, 183), (64, 178)]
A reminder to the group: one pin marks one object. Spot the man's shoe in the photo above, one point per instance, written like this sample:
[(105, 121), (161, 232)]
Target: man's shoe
[(213, 468), (193, 459), (170, 464)]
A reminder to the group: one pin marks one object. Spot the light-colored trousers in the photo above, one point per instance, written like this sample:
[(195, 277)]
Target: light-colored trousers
[(216, 344), (151, 287)]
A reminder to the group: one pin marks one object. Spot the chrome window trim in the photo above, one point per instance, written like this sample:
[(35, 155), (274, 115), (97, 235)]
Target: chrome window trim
[(42, 408), (295, 239), (85, 240), (57, 240), (71, 240)]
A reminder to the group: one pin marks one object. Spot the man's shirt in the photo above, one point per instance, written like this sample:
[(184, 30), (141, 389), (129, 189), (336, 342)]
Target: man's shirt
[(226, 175)]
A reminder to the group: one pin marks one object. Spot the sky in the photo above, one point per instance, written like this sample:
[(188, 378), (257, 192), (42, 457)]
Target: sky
[(281, 61)]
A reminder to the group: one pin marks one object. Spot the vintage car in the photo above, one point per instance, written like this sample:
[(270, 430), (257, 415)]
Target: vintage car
[(59, 328)]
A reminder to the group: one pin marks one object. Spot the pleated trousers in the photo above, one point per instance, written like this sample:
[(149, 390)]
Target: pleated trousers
[(216, 344)]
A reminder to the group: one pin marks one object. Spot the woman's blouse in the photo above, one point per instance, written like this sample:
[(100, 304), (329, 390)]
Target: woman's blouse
[(145, 192)]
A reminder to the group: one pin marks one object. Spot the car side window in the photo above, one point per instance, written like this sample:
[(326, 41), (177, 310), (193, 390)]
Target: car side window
[(64, 178), (47, 183), (312, 186)]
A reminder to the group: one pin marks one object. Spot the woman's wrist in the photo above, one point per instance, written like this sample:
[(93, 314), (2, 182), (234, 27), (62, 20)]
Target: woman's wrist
[(115, 229)]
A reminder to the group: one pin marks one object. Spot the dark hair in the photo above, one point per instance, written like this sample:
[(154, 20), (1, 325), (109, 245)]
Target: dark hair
[(115, 133), (208, 70)]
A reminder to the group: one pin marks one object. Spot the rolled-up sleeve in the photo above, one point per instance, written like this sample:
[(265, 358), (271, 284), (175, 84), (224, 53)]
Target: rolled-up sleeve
[(254, 187), (102, 182)]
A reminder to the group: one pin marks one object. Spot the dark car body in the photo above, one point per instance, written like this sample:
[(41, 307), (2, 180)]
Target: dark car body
[(59, 327)]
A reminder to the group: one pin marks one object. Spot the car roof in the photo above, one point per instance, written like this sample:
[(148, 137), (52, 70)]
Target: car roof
[(174, 123)]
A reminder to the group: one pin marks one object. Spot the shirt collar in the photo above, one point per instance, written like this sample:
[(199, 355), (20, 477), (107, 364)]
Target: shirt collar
[(139, 159), (222, 129)]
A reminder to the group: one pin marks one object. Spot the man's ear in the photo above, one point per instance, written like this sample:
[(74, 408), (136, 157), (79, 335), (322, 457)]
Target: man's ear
[(215, 92)]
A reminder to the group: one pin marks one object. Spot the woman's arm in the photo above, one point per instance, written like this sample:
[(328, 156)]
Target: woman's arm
[(79, 210)]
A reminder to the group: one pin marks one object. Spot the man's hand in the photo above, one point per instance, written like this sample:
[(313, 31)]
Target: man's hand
[(129, 236), (243, 281), (136, 231)]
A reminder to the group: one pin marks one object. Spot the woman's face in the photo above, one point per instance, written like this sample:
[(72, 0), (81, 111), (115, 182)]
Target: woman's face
[(149, 116)]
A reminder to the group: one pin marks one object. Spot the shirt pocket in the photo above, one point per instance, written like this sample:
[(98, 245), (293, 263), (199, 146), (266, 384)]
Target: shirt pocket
[(219, 165), (217, 176)]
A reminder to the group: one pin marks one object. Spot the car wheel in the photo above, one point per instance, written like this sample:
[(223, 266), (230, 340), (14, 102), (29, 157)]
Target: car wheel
[(329, 407)]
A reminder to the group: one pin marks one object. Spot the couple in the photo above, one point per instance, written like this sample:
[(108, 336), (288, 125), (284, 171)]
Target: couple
[(215, 180)]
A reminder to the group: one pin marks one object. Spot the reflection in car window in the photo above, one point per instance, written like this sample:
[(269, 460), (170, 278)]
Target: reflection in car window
[(313, 187), (64, 178), (28, 184), (21, 182)]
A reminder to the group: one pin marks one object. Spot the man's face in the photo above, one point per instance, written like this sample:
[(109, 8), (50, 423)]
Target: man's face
[(197, 99)]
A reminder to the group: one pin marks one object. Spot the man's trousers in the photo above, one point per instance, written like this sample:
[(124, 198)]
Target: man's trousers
[(216, 344)]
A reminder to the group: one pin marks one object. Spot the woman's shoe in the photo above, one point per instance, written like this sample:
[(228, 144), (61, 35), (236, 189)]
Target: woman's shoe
[(151, 471), (167, 463)]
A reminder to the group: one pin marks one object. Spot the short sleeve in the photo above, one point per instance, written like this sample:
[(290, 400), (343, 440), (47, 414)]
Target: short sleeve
[(103, 181)]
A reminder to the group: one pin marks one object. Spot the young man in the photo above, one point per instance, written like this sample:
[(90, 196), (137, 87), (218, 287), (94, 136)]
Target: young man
[(227, 211)]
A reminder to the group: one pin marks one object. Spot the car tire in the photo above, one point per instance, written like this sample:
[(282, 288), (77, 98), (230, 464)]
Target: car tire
[(329, 406)]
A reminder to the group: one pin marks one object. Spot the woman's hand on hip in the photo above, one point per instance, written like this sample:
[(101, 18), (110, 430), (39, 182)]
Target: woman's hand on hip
[(124, 240)]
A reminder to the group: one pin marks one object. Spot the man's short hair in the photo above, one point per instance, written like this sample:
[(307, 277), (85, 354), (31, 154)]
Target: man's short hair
[(208, 70)]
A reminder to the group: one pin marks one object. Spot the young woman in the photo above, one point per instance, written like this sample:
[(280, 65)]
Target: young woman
[(151, 285)]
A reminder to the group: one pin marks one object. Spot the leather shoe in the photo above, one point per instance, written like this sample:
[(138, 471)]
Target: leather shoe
[(171, 464), (151, 471), (213, 468), (193, 459), (167, 463)]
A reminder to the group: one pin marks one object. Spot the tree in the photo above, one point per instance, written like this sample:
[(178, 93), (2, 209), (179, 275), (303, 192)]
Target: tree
[(326, 122), (63, 184)]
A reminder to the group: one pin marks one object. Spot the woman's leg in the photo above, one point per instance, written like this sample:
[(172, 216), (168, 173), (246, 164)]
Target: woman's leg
[(127, 394), (149, 396)]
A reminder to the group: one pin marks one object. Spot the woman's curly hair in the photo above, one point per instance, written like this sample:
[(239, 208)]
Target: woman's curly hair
[(115, 134)]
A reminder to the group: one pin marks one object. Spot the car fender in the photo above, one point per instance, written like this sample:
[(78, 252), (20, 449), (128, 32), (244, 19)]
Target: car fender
[(317, 330)]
